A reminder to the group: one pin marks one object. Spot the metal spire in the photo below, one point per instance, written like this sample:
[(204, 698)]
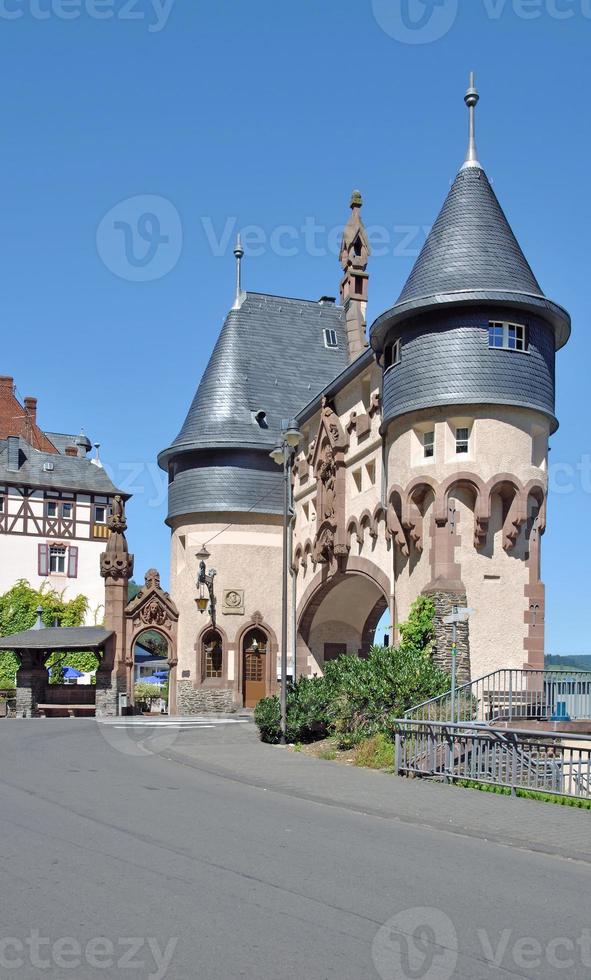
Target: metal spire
[(471, 99), (238, 252)]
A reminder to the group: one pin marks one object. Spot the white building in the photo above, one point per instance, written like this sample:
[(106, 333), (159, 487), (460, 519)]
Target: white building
[(54, 505)]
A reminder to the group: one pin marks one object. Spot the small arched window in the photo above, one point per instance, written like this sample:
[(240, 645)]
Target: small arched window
[(213, 655)]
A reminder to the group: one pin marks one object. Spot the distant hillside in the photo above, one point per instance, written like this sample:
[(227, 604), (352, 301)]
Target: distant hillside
[(582, 661)]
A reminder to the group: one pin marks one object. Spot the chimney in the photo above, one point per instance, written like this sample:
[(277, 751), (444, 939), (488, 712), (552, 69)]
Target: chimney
[(31, 409), (14, 447), (71, 451), (6, 384)]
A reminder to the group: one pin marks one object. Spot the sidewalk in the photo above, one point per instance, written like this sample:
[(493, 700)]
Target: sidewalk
[(241, 757)]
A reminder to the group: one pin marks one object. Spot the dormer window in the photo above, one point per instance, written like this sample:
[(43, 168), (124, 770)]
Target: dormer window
[(330, 338), (392, 355), (507, 336)]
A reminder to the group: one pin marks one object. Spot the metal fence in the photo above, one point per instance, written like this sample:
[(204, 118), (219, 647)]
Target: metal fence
[(556, 762), (508, 695)]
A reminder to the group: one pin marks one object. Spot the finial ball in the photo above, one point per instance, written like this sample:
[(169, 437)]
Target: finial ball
[(238, 250), (472, 97), (356, 199)]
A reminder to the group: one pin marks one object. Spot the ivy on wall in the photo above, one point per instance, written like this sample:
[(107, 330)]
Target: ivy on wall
[(18, 612)]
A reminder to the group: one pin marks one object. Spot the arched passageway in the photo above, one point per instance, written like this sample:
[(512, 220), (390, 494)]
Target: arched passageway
[(340, 614)]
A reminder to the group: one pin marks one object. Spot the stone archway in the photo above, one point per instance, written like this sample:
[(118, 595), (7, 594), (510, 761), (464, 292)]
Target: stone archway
[(153, 609), (339, 613)]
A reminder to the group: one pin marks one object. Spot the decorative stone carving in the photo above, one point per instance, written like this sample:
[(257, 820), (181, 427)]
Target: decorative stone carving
[(233, 602), (116, 563), (153, 613), (330, 543), (360, 423)]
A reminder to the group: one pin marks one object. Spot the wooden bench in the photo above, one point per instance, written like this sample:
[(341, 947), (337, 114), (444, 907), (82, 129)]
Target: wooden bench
[(69, 708)]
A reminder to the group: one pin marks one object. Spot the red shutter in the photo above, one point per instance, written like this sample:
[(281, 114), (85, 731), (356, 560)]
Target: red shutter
[(43, 560), (72, 562)]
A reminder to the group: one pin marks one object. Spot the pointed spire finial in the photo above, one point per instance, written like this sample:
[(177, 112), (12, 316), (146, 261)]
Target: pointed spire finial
[(356, 200), (238, 252), (472, 99)]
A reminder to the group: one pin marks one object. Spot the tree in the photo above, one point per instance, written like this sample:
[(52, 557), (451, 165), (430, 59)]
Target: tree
[(18, 612)]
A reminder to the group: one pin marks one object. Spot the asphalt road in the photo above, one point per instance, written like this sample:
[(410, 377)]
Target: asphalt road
[(120, 861)]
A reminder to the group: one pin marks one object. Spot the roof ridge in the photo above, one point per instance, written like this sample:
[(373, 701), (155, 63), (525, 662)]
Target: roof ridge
[(294, 299)]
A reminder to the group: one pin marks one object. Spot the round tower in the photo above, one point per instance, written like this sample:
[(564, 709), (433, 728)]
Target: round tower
[(468, 353), (225, 491)]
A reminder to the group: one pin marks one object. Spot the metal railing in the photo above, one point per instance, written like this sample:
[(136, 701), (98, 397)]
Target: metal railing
[(558, 763), (511, 694)]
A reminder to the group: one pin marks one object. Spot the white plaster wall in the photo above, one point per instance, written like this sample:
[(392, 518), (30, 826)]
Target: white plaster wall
[(502, 440), (246, 556), (19, 559)]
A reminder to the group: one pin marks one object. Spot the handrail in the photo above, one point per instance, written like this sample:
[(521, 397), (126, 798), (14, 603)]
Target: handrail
[(480, 726), (511, 692), (517, 759)]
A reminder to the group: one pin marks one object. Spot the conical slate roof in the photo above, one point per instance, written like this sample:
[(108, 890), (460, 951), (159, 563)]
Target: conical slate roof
[(471, 256), (270, 357), (471, 246)]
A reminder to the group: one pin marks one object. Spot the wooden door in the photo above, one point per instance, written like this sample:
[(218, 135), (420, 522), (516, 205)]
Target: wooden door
[(254, 668)]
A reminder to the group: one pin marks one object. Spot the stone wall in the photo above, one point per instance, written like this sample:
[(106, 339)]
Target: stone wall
[(444, 603), (196, 701)]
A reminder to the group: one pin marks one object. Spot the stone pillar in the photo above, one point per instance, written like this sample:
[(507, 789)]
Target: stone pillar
[(116, 569), (31, 680), (535, 596), (447, 590), (444, 601)]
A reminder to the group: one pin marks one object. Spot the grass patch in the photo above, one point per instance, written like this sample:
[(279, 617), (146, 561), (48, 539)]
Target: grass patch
[(328, 754), (375, 753), (526, 794)]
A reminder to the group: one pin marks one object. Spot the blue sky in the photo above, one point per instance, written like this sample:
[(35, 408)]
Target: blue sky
[(215, 117)]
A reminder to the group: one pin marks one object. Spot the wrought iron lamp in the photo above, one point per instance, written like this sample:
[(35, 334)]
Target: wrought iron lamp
[(206, 594)]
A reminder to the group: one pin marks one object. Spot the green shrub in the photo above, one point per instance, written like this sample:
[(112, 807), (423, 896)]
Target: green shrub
[(18, 612), (375, 753), (307, 717), (267, 716), (359, 697), (366, 695)]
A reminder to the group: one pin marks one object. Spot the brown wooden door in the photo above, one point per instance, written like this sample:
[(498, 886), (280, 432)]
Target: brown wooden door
[(254, 668)]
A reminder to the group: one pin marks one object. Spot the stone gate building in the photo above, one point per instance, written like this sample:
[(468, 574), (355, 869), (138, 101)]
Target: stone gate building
[(422, 468)]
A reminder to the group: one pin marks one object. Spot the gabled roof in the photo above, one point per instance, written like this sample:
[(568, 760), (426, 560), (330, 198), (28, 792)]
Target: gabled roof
[(270, 357), (472, 256), (64, 472)]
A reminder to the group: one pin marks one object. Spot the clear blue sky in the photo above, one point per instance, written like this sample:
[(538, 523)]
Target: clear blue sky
[(267, 114)]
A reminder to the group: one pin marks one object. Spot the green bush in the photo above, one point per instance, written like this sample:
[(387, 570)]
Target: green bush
[(366, 695), (267, 716), (359, 697), (18, 612), (307, 717), (375, 753)]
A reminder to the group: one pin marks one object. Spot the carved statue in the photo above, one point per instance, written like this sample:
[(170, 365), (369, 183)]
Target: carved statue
[(328, 472), (115, 562)]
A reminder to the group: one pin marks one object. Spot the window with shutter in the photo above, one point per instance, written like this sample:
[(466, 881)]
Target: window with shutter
[(72, 562), (43, 560)]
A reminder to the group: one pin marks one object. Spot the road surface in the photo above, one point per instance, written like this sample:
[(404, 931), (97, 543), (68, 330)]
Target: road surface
[(129, 851)]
